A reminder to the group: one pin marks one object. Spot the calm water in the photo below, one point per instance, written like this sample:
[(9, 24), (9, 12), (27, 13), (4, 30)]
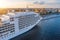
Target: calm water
[(47, 29)]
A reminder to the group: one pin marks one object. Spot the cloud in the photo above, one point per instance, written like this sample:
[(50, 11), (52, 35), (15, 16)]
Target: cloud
[(47, 2), (39, 2)]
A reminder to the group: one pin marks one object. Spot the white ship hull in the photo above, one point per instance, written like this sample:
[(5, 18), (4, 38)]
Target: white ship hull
[(20, 31)]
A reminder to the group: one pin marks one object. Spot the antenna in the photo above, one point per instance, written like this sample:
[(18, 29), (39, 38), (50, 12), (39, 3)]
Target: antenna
[(27, 8)]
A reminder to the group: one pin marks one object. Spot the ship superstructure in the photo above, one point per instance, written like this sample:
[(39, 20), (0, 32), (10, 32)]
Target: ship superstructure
[(15, 23)]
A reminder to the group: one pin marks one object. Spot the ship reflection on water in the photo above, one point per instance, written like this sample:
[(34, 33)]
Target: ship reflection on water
[(30, 35), (45, 30)]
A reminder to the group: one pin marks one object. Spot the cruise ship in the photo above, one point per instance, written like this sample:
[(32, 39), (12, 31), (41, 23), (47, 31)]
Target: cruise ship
[(13, 24)]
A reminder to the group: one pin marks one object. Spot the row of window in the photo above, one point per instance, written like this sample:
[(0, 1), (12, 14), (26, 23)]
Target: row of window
[(26, 21), (12, 19), (5, 29)]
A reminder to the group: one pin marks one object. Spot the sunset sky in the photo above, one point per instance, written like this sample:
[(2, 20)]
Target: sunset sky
[(31, 3)]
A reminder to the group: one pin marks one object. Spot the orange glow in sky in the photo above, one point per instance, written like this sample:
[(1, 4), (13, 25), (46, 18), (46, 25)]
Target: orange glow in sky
[(3, 4), (7, 4), (23, 4)]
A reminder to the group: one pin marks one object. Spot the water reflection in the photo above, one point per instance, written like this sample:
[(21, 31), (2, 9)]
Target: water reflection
[(30, 35)]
